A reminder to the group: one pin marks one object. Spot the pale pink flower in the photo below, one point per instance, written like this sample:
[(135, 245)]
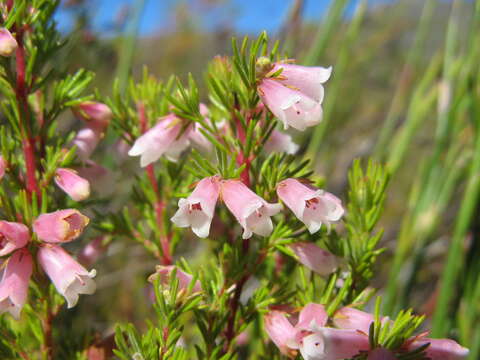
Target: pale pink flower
[(74, 185), (8, 44), (333, 344), (69, 277), (295, 96), (315, 258), (13, 236), (308, 80), (92, 251), (441, 349), (60, 226), (285, 335), (313, 207), (280, 142), (251, 211), (311, 337), (164, 273), (86, 141), (162, 139), (353, 319), (14, 283), (197, 210), (96, 115), (3, 167)]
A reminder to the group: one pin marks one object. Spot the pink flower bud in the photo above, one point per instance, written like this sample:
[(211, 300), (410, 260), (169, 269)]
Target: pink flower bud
[(3, 167), (86, 141), (197, 210), (69, 277), (381, 354), (313, 207), (162, 139), (13, 236), (14, 284), (251, 211), (96, 115), (60, 226), (8, 44), (163, 273), (280, 142), (75, 186), (441, 349), (315, 258), (92, 251), (353, 319)]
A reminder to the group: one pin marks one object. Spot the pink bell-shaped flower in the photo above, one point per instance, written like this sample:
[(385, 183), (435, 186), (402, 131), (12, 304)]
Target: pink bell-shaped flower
[(69, 277), (163, 273), (353, 319), (8, 44), (280, 331), (280, 142), (251, 211), (315, 258), (86, 141), (13, 236), (295, 95), (96, 115), (311, 337), (162, 139), (197, 210), (441, 349), (74, 185), (14, 283), (313, 207), (333, 344), (60, 226), (3, 167)]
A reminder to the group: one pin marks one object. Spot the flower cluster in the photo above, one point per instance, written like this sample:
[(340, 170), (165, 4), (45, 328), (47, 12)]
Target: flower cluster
[(51, 229), (313, 207), (348, 337)]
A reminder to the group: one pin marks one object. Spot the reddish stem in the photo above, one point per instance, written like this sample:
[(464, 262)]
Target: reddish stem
[(235, 301), (159, 205), (241, 158), (28, 142)]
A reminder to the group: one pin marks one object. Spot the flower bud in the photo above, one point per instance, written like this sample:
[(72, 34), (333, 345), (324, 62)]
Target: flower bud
[(96, 115), (14, 283), (8, 44), (75, 186), (163, 273), (69, 277), (92, 251), (60, 226), (12, 236), (315, 258), (86, 141)]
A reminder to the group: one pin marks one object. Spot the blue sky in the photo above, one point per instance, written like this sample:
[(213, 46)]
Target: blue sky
[(242, 15)]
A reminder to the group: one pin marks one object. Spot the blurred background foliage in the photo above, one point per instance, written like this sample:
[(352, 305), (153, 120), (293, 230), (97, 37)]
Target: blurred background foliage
[(405, 90)]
